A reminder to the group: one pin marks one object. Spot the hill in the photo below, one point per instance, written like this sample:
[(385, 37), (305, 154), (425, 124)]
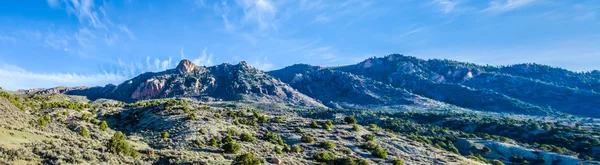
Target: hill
[(523, 89)]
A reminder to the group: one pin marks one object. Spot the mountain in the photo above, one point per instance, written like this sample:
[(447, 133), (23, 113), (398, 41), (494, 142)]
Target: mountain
[(221, 82), (339, 89), (384, 110), (391, 82), (523, 89)]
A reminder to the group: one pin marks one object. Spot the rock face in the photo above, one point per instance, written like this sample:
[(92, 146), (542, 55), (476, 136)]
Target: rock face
[(220, 82), (185, 66), (148, 90)]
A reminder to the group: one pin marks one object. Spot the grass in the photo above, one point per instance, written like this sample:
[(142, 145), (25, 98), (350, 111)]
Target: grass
[(17, 137)]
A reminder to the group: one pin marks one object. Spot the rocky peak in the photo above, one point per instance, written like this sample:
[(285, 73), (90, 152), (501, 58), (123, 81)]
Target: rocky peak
[(185, 66)]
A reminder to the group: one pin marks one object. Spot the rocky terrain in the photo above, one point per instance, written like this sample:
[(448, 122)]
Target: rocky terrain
[(523, 89), (189, 132), (390, 110)]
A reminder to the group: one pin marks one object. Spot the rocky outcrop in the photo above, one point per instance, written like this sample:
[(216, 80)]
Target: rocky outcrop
[(185, 66), (148, 90)]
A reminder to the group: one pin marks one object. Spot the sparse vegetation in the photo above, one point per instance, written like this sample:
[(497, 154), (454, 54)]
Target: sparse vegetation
[(247, 137), (41, 121), (307, 139), (379, 152), (295, 148), (84, 132), (397, 161), (103, 126), (164, 135), (118, 144), (246, 159), (328, 145), (350, 120)]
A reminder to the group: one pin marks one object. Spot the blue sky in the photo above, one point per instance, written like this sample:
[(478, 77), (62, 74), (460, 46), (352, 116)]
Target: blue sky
[(84, 42)]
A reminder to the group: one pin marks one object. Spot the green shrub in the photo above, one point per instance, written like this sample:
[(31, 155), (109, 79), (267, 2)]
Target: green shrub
[(103, 126), (369, 145), (298, 130), (274, 138), (379, 152), (361, 161), (231, 147), (368, 137), (86, 117), (118, 144), (84, 132), (328, 122), (324, 156), (247, 137), (314, 124), (198, 143), (41, 121), (307, 139), (278, 120), (496, 162), (227, 139), (246, 159), (278, 150), (350, 120), (328, 145), (213, 142), (192, 116), (326, 127), (373, 126), (295, 148), (164, 135), (397, 161), (47, 117), (355, 127)]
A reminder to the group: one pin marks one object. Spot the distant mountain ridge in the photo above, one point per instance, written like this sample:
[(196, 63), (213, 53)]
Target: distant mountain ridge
[(221, 82), (524, 89), (386, 81)]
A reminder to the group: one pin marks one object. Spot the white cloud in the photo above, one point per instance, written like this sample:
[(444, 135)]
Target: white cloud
[(260, 12), (164, 65), (411, 32), (53, 3), (446, 5), (14, 78), (500, 6), (263, 64), (85, 10), (205, 59)]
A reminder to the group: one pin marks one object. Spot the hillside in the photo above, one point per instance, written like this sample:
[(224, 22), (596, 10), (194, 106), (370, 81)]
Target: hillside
[(523, 89), (175, 132)]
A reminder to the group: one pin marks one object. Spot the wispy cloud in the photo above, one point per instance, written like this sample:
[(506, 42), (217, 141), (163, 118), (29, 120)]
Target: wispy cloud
[(14, 78), (96, 28), (86, 11), (446, 6), (411, 32), (500, 6), (263, 64), (261, 12), (206, 59)]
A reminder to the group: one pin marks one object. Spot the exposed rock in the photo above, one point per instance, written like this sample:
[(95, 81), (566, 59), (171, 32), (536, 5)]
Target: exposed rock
[(275, 161), (149, 89), (185, 66)]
